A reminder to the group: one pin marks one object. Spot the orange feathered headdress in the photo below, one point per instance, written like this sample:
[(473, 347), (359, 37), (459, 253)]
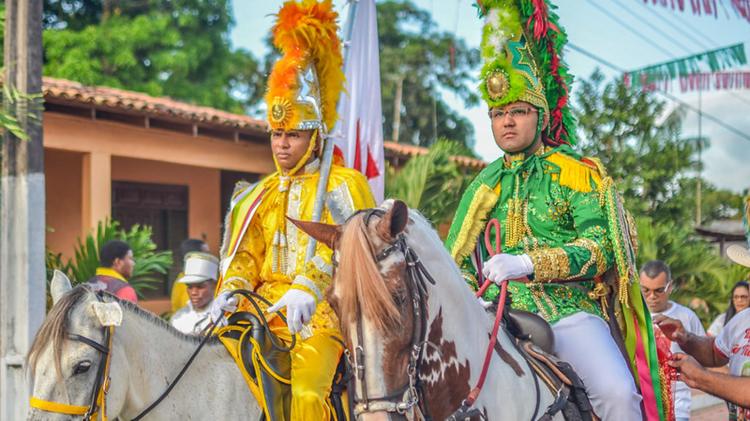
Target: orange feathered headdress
[(305, 84)]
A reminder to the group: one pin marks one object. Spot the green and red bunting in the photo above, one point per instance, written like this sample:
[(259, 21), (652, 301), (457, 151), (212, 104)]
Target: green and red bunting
[(713, 60), (707, 7), (717, 81)]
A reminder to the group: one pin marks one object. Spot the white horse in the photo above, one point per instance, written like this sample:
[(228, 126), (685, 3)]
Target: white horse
[(146, 355), (384, 323)]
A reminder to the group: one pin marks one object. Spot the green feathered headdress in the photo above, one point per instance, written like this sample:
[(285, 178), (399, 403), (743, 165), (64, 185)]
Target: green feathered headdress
[(521, 49)]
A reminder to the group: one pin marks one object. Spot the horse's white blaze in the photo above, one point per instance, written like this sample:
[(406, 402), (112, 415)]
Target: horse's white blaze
[(373, 363)]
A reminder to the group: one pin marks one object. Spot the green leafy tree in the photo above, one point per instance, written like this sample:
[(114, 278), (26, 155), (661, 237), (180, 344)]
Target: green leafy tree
[(175, 48), (654, 166), (414, 51), (432, 183), (150, 267)]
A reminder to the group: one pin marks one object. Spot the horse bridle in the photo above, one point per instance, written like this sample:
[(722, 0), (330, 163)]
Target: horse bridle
[(407, 396), (100, 389), (101, 384)]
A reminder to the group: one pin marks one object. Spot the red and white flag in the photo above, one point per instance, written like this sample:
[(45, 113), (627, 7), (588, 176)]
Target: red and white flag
[(360, 116)]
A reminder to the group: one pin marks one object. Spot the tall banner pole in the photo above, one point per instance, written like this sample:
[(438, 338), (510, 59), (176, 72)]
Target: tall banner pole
[(325, 168)]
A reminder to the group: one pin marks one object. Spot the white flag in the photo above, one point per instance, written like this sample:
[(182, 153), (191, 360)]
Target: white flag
[(360, 116)]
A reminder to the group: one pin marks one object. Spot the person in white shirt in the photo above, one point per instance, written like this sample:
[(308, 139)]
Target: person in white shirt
[(739, 300), (656, 286), (732, 346), (201, 270)]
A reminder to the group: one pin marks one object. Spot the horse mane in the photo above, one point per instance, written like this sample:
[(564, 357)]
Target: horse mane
[(363, 290), (55, 325)]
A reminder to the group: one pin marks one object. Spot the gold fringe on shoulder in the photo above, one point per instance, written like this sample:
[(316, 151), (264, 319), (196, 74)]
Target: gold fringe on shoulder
[(575, 174), (476, 215)]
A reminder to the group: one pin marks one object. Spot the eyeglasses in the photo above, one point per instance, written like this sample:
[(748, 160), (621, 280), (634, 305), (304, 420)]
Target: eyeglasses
[(514, 112), (655, 291)]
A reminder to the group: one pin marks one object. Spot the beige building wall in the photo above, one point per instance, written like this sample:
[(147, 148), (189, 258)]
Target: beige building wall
[(204, 215), (64, 195), (83, 156)]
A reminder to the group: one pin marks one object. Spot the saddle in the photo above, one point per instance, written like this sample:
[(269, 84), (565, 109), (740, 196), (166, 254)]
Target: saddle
[(266, 365), (535, 341)]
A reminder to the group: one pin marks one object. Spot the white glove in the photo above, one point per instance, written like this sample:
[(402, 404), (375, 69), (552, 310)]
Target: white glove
[(502, 267), (221, 304), (300, 306)]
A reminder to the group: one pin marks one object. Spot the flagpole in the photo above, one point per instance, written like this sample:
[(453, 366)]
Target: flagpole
[(325, 167)]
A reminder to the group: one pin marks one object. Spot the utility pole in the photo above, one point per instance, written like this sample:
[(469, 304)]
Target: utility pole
[(22, 226), (397, 108), (698, 186)]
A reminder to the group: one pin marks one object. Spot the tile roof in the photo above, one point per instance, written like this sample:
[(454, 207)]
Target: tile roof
[(407, 151), (66, 91)]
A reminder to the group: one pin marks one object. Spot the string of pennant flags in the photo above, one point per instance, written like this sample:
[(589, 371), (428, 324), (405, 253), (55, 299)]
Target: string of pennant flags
[(709, 70), (707, 7)]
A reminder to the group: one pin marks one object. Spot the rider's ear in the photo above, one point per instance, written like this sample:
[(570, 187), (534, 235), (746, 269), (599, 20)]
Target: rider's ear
[(325, 233), (394, 221)]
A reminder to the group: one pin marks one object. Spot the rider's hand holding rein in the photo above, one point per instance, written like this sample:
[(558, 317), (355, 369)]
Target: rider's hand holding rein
[(503, 267), (300, 307), (222, 303)]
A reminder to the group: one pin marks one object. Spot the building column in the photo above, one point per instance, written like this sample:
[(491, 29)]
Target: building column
[(96, 191)]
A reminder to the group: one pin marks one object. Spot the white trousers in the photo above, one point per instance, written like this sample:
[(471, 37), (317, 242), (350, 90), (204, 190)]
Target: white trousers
[(584, 341)]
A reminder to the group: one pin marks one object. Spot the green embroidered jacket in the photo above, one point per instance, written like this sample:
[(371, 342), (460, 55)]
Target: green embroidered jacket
[(549, 206)]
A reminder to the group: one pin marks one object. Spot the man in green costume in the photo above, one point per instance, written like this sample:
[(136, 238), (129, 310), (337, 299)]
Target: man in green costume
[(565, 238)]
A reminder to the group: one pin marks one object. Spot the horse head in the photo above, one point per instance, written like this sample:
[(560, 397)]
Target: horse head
[(386, 261), (67, 359)]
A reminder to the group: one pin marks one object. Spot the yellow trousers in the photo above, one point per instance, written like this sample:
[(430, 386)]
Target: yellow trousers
[(314, 362)]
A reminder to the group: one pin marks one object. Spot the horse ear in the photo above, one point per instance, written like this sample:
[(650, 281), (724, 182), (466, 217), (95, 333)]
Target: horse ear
[(59, 286), (394, 221), (325, 233), (109, 314)]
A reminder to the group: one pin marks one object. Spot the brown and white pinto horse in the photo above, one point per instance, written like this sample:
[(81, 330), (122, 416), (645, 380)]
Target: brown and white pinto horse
[(415, 333)]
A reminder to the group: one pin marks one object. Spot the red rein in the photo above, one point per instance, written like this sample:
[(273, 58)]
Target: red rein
[(492, 223)]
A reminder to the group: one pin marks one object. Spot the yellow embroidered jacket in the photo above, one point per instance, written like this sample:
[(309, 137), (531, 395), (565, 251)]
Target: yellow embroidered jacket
[(263, 251)]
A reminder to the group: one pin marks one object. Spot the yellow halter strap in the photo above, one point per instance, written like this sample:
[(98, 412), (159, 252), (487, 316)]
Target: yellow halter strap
[(101, 394)]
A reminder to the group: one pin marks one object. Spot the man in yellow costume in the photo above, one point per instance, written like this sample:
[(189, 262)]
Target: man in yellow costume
[(262, 250)]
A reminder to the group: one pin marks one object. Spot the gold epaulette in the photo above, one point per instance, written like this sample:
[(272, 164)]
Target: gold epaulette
[(577, 174)]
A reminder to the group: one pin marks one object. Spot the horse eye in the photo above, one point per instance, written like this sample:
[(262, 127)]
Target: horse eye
[(81, 367)]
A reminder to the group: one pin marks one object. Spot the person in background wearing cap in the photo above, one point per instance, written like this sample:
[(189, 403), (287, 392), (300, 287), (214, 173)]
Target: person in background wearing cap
[(179, 295), (732, 346), (262, 250), (201, 271), (565, 241)]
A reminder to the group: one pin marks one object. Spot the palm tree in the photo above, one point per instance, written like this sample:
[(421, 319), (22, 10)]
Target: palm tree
[(150, 264), (431, 183)]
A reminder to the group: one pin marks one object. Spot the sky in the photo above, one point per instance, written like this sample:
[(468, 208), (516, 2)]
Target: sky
[(629, 34)]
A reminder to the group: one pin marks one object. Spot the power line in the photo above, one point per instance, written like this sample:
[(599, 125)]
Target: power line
[(655, 28), (629, 28), (635, 32), (694, 39), (677, 28), (666, 94)]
